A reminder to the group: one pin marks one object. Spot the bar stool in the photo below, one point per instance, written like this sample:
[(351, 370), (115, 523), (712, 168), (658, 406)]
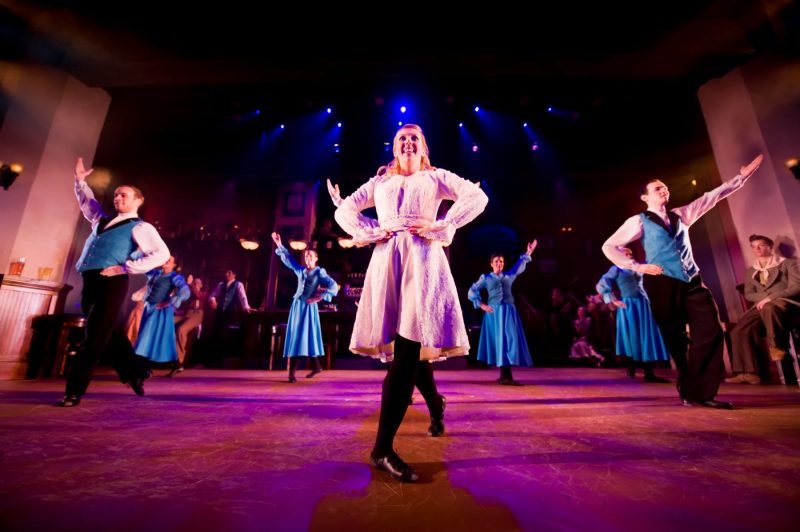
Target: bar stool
[(278, 334)]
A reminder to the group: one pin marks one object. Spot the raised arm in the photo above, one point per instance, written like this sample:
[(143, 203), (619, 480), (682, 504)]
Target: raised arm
[(690, 213), (90, 207), (286, 257)]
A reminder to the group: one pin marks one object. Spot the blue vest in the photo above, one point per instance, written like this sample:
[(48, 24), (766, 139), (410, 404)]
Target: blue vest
[(108, 247), (669, 248), (230, 298)]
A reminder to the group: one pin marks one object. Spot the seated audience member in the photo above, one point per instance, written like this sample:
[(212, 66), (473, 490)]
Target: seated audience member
[(773, 285)]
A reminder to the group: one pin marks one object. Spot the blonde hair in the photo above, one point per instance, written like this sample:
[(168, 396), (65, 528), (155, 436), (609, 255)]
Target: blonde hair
[(393, 167)]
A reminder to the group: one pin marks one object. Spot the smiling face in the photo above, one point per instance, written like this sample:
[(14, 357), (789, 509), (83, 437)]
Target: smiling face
[(497, 263), (657, 194), (310, 257), (127, 200), (410, 145)]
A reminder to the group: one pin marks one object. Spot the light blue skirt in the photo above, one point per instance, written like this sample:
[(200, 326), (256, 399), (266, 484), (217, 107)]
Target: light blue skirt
[(303, 331), (638, 336), (502, 340), (156, 340)]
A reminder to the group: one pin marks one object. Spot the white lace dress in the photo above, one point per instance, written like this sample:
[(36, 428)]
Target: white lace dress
[(408, 287)]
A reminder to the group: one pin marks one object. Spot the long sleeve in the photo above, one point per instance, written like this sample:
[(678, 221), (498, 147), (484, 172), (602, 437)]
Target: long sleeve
[(287, 260), (242, 295), (605, 286), (182, 291), (690, 213), (629, 231), (519, 266), (90, 207), (469, 199), (474, 293), (348, 215), (154, 252), (792, 290), (331, 287)]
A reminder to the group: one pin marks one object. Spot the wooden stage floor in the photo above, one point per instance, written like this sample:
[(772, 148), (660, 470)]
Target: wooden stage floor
[(574, 449)]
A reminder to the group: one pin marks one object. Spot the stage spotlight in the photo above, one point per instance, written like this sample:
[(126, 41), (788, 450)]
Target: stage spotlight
[(475, 148), (535, 146), (338, 124), (329, 110), (400, 123), (549, 109), (461, 124), (283, 126), (402, 108), (524, 124), (477, 108)]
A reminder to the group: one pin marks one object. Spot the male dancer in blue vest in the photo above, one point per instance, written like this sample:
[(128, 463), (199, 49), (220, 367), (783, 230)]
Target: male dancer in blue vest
[(118, 245), (672, 281)]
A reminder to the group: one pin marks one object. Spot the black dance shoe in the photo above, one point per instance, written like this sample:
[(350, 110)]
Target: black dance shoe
[(437, 423), (292, 378), (314, 372), (394, 465), (652, 378), (69, 400), (175, 371), (710, 403), (137, 385)]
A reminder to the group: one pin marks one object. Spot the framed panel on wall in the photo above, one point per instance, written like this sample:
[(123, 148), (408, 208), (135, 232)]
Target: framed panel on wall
[(293, 204)]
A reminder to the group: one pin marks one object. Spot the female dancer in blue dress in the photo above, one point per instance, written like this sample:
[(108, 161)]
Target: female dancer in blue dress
[(502, 342), (166, 289), (638, 336), (303, 329)]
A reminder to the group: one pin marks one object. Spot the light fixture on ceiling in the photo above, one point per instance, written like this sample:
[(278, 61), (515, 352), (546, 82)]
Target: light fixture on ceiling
[(298, 245), (9, 173)]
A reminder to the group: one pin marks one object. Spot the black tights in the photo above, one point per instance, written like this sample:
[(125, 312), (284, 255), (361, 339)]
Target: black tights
[(405, 371)]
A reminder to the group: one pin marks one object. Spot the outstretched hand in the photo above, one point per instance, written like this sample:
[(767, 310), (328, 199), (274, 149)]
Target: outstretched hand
[(336, 196), (487, 308), (531, 247), (81, 173), (747, 171), (276, 238)]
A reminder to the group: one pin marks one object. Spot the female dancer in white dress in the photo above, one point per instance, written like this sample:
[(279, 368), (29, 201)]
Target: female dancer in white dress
[(409, 311)]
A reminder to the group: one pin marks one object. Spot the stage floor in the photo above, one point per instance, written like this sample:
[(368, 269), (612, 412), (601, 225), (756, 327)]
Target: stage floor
[(574, 449)]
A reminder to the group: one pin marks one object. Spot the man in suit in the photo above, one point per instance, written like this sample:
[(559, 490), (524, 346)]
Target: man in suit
[(772, 283), (118, 245)]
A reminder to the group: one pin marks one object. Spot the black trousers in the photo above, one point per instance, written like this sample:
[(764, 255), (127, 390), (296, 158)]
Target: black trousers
[(405, 371), (101, 301), (675, 304)]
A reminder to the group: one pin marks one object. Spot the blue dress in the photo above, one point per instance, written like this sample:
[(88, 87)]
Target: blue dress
[(156, 340), (303, 329), (502, 340), (638, 336)]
